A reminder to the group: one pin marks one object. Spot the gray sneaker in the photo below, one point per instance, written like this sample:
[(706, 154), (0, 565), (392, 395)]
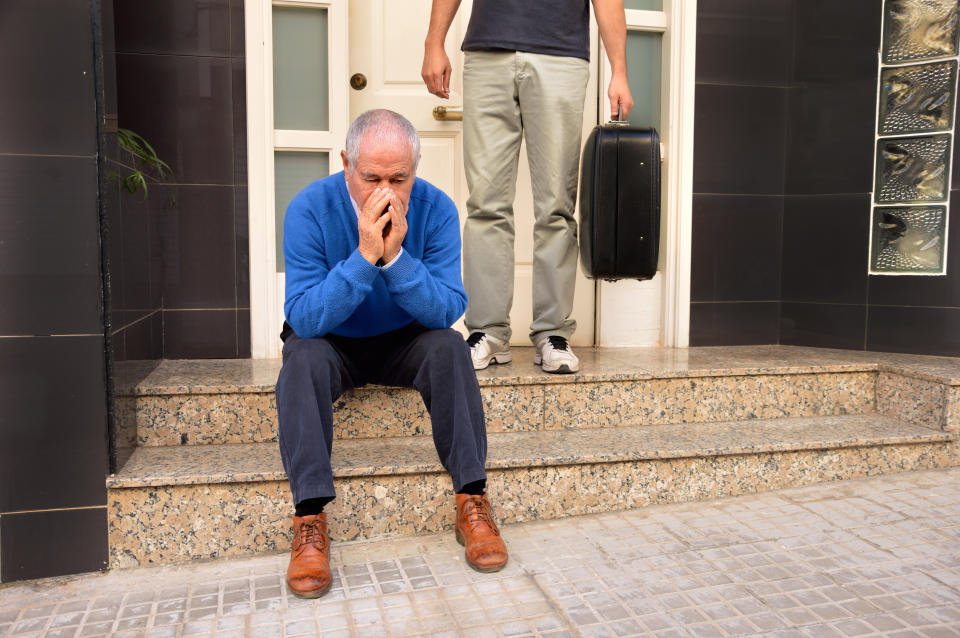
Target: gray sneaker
[(554, 355), (485, 350)]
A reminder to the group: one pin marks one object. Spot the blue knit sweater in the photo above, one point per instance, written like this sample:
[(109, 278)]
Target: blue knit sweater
[(331, 288)]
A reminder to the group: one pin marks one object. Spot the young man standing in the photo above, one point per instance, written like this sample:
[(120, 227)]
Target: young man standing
[(525, 74)]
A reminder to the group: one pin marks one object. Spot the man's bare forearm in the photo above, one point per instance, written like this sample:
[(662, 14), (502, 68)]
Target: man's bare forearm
[(441, 17), (612, 25)]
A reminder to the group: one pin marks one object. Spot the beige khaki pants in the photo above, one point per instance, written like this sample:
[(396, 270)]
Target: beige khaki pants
[(509, 95)]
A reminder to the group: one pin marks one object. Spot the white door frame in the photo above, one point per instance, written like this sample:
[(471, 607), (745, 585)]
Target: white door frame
[(624, 313), (266, 285), (657, 312)]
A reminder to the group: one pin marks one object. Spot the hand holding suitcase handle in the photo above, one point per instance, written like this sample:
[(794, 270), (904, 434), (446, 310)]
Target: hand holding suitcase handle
[(619, 119)]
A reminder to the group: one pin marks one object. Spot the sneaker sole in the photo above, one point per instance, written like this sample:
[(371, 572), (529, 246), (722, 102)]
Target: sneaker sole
[(499, 357), (561, 369)]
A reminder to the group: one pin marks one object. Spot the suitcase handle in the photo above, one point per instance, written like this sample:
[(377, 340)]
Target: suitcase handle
[(619, 121)]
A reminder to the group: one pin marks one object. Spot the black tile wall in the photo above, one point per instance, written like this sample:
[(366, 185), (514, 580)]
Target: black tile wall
[(831, 137), (53, 425), (47, 106), (195, 225), (42, 544), (182, 84), (243, 333), (836, 41), (175, 27), (241, 224), (201, 334), (916, 330), (183, 106), (744, 41), (823, 325), (736, 248), (822, 168), (955, 162), (51, 250), (53, 406), (734, 324), (139, 291), (740, 139), (239, 85), (237, 29), (744, 68), (825, 241)]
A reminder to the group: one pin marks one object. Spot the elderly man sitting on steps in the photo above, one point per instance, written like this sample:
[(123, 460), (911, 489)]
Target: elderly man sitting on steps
[(373, 286)]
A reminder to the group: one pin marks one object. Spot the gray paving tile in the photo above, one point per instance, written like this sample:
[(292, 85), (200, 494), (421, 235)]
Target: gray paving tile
[(861, 558)]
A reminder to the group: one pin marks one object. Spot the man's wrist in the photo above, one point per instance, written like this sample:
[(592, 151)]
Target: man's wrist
[(390, 262), (370, 258)]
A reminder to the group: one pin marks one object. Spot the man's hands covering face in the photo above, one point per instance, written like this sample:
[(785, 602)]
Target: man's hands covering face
[(382, 225)]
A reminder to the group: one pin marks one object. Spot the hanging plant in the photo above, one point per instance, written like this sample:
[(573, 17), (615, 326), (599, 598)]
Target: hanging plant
[(143, 156)]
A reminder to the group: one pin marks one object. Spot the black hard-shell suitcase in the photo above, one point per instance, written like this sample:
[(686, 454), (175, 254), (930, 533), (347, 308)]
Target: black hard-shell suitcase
[(620, 202)]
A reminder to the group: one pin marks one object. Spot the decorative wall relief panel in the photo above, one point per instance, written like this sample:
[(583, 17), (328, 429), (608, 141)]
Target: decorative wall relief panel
[(919, 30), (915, 119), (917, 98), (912, 169), (909, 239)]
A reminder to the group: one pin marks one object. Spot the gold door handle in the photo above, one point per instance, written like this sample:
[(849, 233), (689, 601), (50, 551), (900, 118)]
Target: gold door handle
[(448, 113)]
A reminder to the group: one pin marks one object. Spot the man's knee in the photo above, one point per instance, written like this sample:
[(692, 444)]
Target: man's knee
[(445, 344), (307, 356)]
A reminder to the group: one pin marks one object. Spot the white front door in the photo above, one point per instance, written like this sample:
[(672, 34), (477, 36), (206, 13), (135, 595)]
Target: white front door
[(386, 48)]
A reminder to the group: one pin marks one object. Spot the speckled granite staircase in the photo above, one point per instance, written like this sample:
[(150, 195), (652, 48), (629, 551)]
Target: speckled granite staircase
[(637, 426)]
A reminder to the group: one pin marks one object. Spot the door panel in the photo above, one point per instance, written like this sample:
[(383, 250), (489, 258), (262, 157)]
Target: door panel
[(386, 46)]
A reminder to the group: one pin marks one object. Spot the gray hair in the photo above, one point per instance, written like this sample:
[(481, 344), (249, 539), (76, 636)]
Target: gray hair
[(385, 126)]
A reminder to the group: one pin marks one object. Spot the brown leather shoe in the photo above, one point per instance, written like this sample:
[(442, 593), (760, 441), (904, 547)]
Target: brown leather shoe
[(486, 551), (308, 575)]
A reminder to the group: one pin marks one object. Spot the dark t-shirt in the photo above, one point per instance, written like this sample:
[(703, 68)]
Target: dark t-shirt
[(554, 27)]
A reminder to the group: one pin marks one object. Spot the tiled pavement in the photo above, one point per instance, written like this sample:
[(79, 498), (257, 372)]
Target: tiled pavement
[(872, 557)]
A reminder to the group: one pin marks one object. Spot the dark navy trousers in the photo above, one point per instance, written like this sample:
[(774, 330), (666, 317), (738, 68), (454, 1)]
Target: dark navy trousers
[(316, 372)]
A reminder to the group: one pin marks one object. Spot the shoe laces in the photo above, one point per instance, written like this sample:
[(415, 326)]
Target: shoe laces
[(475, 338), (480, 513), (311, 533), (558, 343)]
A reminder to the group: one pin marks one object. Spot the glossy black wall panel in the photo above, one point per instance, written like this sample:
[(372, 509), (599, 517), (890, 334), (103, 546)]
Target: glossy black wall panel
[(237, 27), (43, 544), (53, 427), (138, 284), (836, 41), (744, 41), (830, 145), (955, 182), (183, 106), (243, 333), (47, 102), (241, 222), (734, 324), (934, 331), (200, 334), (50, 261), (239, 85), (823, 325), (740, 139), (825, 240), (736, 248), (178, 27), (196, 229)]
